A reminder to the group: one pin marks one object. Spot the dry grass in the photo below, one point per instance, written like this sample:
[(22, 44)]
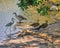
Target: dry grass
[(33, 15)]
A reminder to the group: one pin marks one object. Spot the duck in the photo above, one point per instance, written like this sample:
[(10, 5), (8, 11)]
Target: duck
[(44, 25), (35, 24)]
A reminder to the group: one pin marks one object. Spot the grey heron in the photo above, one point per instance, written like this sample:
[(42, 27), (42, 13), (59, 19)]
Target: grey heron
[(19, 17), (9, 25)]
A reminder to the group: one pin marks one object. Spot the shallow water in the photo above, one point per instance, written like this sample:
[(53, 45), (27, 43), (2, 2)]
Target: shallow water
[(7, 7)]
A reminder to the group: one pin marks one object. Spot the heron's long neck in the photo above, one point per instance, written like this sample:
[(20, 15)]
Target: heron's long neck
[(12, 21)]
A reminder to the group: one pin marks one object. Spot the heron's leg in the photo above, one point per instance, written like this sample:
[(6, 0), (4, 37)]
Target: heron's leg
[(14, 28), (5, 31), (10, 32)]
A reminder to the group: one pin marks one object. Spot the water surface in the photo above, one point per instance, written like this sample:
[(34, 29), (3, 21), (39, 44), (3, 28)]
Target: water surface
[(7, 7)]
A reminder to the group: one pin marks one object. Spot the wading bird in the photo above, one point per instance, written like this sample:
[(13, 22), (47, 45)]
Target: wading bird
[(19, 17), (9, 25)]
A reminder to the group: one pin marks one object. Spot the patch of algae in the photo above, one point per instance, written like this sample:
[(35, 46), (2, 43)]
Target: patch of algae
[(33, 15)]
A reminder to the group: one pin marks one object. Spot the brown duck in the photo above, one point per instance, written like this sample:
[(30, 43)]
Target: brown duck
[(42, 26)]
